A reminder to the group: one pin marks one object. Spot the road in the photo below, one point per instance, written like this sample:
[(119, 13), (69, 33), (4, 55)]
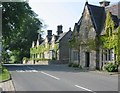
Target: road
[(60, 78)]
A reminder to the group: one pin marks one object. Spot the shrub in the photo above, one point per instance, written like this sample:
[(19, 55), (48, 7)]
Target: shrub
[(110, 67), (39, 59), (25, 59), (70, 64), (4, 75), (53, 58), (75, 65), (80, 67)]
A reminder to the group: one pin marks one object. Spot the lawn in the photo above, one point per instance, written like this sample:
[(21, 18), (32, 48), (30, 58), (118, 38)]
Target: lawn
[(4, 74)]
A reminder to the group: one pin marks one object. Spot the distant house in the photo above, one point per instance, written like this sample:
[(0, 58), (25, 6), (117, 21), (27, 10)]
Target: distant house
[(90, 26), (53, 47)]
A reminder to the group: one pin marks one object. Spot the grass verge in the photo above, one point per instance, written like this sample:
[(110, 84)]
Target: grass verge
[(4, 74)]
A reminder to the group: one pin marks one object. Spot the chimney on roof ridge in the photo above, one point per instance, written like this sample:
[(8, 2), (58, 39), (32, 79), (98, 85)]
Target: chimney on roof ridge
[(49, 33), (104, 3), (59, 29), (86, 1), (70, 29)]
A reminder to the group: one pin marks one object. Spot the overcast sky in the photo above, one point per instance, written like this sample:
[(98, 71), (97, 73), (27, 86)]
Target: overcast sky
[(61, 12)]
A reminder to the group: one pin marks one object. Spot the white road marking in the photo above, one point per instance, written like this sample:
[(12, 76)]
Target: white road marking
[(19, 70), (34, 71), (50, 75), (84, 88), (27, 71)]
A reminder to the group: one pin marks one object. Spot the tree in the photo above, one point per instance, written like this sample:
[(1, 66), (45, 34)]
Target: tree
[(19, 28)]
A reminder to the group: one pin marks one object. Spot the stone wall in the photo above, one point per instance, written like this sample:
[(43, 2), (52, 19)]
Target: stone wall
[(86, 31), (46, 62), (64, 48)]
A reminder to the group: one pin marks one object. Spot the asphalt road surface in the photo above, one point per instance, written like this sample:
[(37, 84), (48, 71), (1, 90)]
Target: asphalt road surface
[(60, 78)]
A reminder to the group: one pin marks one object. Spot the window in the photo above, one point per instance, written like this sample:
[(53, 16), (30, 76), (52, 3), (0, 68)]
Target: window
[(75, 55), (109, 54), (106, 55), (102, 55)]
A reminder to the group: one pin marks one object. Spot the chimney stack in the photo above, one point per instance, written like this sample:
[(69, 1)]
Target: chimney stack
[(49, 33), (59, 29), (104, 3), (70, 29)]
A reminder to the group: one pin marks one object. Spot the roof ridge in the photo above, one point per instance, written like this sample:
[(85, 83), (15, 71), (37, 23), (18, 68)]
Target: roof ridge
[(96, 14)]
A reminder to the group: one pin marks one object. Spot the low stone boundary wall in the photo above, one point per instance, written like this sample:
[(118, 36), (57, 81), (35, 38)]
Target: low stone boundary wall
[(47, 62)]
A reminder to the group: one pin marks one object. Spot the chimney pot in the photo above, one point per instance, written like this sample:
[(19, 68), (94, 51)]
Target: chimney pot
[(59, 29), (70, 29), (104, 3), (49, 32)]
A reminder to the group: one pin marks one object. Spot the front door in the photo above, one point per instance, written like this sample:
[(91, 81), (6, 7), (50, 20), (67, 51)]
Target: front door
[(87, 59)]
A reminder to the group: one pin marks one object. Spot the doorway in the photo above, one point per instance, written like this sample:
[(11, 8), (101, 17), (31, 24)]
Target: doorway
[(87, 59)]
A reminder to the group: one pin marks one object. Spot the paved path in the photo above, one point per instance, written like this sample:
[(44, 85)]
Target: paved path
[(60, 78), (7, 86)]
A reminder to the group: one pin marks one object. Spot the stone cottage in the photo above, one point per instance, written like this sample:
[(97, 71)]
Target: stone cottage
[(53, 47), (90, 26)]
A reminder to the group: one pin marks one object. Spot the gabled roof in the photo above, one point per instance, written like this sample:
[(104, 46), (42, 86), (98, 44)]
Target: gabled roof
[(56, 37), (97, 15), (49, 38), (40, 42), (61, 36)]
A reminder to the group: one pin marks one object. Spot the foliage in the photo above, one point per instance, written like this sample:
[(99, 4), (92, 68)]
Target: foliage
[(110, 40), (70, 64), (5, 75), (119, 45), (42, 49), (19, 28), (53, 58), (14, 56), (37, 59), (39, 49), (77, 41), (25, 59), (109, 25), (56, 46), (40, 59), (75, 65), (110, 67)]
